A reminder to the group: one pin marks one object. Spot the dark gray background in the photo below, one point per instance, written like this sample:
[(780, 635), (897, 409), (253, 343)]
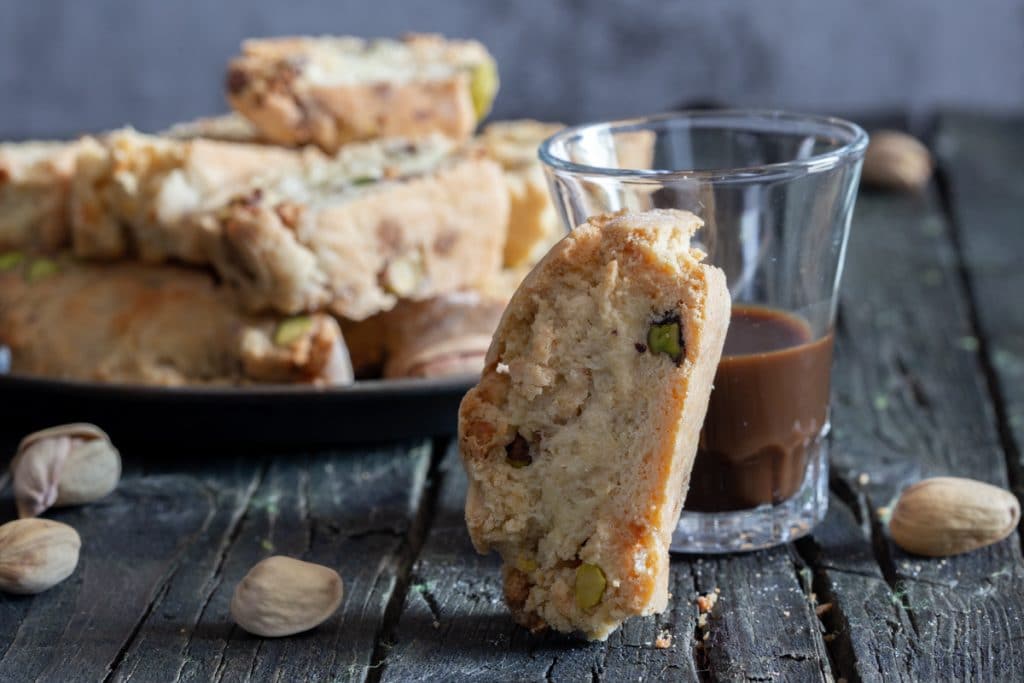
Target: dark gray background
[(80, 65)]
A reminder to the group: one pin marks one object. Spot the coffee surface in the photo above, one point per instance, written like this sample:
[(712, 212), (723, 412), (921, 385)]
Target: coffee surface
[(767, 412)]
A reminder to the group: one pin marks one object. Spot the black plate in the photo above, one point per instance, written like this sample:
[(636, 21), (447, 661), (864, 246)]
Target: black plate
[(264, 417)]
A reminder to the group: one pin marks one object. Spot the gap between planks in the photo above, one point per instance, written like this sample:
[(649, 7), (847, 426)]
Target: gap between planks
[(992, 381), (408, 554)]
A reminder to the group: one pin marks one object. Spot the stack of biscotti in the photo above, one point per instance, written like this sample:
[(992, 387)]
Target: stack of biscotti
[(385, 203), (350, 233)]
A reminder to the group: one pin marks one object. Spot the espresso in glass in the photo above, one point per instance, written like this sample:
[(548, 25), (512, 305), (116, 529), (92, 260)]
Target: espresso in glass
[(767, 414), (775, 193)]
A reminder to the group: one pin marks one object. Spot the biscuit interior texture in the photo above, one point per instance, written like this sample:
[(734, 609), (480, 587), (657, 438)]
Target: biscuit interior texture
[(580, 437)]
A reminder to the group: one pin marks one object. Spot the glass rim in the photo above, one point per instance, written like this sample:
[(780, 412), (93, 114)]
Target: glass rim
[(850, 151)]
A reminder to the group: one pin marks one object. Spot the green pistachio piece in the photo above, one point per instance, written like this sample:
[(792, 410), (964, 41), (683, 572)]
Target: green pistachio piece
[(517, 453), (291, 330), (590, 585), (363, 180), (526, 564), (483, 86), (11, 260), (42, 268), (665, 336)]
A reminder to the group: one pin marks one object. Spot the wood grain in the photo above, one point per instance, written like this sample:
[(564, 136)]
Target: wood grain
[(161, 558), (910, 401), (982, 166)]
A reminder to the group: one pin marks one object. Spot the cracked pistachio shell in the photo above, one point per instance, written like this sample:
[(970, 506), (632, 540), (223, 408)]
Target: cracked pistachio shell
[(65, 465)]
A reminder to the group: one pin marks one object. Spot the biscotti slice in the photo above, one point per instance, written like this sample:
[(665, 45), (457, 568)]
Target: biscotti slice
[(132, 191), (162, 325), (579, 439), (443, 336), (35, 179), (231, 127), (533, 225), (376, 223), (330, 91)]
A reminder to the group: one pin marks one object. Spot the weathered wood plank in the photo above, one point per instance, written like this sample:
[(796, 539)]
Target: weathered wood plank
[(910, 401), (763, 626), (131, 543), (162, 556), (455, 626), (981, 161)]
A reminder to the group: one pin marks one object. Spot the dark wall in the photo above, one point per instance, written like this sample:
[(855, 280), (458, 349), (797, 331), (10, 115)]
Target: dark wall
[(74, 65)]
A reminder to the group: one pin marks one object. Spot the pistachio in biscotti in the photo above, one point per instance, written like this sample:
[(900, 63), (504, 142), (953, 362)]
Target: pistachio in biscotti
[(292, 330), (666, 336), (483, 86), (590, 585), (42, 268), (403, 275), (66, 465), (11, 260)]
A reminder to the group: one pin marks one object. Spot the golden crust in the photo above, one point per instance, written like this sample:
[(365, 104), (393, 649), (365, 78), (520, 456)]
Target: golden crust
[(332, 91), (533, 224), (163, 325), (579, 439), (353, 233)]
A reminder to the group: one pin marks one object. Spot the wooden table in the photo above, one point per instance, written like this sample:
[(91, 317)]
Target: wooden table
[(929, 380)]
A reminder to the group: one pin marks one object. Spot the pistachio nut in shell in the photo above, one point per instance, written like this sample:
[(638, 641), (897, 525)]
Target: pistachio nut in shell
[(281, 596), (36, 554), (897, 161), (65, 465), (951, 515)]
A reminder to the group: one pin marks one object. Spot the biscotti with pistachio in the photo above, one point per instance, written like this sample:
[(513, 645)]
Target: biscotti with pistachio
[(162, 325), (297, 231), (377, 223), (330, 91), (132, 193), (35, 181), (579, 439)]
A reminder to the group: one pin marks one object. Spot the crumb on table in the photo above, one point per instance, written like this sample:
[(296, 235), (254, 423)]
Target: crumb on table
[(664, 640)]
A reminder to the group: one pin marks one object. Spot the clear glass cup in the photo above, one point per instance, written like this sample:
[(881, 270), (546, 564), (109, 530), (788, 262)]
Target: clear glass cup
[(776, 194)]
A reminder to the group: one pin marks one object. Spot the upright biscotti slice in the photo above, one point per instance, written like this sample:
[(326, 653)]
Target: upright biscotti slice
[(579, 439), (131, 192), (35, 179), (533, 225), (163, 325), (330, 91), (377, 223)]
